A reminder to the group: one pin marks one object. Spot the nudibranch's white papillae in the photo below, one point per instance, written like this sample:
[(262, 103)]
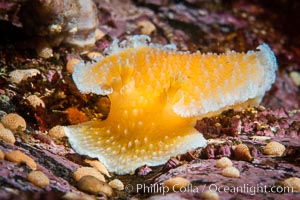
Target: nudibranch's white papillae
[(157, 93)]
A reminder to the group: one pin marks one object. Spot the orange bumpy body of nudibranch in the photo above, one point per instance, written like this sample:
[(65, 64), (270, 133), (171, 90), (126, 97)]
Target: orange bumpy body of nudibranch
[(156, 95)]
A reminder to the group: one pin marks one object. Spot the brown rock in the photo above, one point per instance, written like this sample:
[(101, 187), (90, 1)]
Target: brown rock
[(84, 171), (92, 185), (13, 121), (7, 136), (38, 178), (19, 157)]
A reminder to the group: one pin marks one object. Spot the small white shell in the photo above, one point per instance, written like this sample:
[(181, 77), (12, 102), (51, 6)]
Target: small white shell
[(35, 101), (99, 166), (176, 183), (293, 182), (1, 126), (13, 122), (274, 149), (231, 172), (146, 27), (295, 76), (84, 171), (71, 64), (19, 75), (260, 138), (99, 34), (116, 184), (57, 132), (242, 152), (1, 155), (223, 162), (38, 178), (44, 49), (210, 195), (92, 185), (7, 136), (94, 55)]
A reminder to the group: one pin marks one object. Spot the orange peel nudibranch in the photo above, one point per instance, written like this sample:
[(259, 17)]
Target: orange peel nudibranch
[(157, 93)]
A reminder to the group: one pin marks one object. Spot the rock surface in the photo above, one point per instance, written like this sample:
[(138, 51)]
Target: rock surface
[(192, 25)]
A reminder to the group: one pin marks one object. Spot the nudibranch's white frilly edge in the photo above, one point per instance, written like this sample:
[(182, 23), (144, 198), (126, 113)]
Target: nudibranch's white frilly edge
[(82, 84), (128, 164), (245, 95), (250, 91), (136, 41)]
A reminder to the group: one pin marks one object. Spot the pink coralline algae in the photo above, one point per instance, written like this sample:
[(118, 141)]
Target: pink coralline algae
[(261, 122), (144, 170), (224, 150), (171, 163), (218, 127), (213, 151), (210, 149)]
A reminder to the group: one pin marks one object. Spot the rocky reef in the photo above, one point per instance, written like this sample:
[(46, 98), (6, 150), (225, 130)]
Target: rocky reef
[(261, 144)]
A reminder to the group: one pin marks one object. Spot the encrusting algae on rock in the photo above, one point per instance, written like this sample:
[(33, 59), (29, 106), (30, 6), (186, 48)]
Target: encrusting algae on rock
[(157, 94)]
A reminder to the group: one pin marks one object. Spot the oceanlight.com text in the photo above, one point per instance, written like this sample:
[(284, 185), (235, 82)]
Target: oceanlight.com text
[(245, 188)]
